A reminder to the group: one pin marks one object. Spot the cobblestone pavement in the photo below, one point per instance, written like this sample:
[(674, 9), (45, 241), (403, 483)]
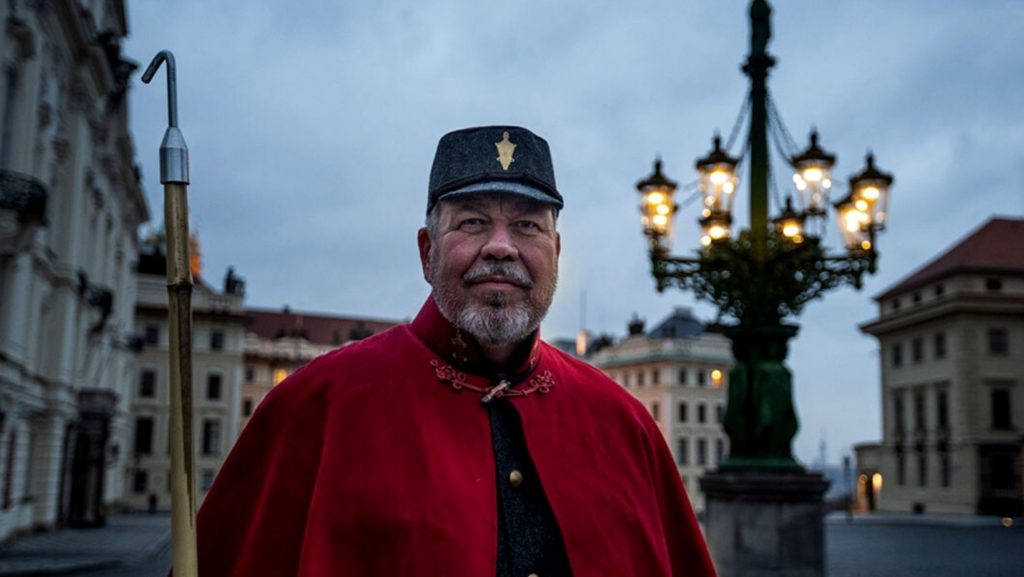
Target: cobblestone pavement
[(872, 546), (922, 546), (125, 540)]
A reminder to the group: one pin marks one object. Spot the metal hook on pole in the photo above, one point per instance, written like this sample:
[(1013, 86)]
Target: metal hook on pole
[(173, 150), (174, 177)]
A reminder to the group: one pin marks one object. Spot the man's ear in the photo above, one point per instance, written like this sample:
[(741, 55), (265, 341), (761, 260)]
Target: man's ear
[(425, 244), (558, 244)]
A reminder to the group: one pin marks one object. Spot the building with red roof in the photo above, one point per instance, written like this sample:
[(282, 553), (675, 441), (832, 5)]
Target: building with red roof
[(951, 336)]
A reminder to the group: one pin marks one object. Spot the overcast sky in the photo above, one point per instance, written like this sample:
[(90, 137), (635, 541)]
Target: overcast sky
[(312, 126)]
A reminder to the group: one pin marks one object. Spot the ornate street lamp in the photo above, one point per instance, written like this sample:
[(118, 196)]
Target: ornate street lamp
[(767, 272), (759, 277)]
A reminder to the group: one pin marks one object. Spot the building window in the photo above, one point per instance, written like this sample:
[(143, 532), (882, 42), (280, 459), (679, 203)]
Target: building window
[(682, 376), (246, 407), (719, 414), (901, 467), (719, 451), (682, 451), (942, 406), (916, 297), (336, 337), (216, 340), (147, 384), (702, 377), (152, 335), (250, 374), (682, 412), (211, 437), (994, 284), (655, 376), (12, 448), (140, 481), (922, 468), (945, 469), (213, 386), (940, 345), (640, 378), (702, 452), (998, 342), (701, 413), (897, 354), (207, 480), (143, 435), (1001, 414), (898, 420), (917, 350), (656, 410), (895, 304), (940, 290)]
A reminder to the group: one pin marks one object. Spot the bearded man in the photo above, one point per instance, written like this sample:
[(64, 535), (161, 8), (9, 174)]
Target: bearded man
[(459, 445)]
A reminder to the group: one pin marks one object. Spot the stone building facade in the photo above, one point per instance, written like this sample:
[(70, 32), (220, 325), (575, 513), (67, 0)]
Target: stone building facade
[(218, 343), (679, 371), (70, 205), (951, 337)]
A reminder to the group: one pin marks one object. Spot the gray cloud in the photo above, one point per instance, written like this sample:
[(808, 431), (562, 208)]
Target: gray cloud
[(312, 128)]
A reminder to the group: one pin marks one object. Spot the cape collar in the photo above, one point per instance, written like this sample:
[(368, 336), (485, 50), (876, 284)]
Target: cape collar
[(463, 352)]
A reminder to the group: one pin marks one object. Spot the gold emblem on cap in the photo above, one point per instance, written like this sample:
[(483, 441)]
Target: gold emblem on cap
[(505, 149)]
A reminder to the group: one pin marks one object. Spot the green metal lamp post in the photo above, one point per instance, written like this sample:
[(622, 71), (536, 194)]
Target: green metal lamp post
[(769, 271)]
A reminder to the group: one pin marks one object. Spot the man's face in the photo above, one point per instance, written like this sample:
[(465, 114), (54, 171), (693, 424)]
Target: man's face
[(493, 264)]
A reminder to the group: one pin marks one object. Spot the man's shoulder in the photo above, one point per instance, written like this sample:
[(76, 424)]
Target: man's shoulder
[(346, 365), (579, 373)]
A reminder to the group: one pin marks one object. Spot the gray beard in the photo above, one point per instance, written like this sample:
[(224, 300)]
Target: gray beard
[(494, 323)]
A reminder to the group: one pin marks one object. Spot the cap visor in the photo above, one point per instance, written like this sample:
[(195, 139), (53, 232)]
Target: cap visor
[(515, 188)]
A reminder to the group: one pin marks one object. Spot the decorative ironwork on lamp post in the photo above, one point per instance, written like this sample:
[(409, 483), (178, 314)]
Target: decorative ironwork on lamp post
[(769, 271)]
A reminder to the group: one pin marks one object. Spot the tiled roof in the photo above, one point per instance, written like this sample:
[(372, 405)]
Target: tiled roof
[(997, 247), (316, 328)]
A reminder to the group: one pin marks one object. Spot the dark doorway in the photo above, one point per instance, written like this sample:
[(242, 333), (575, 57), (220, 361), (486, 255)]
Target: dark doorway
[(89, 463)]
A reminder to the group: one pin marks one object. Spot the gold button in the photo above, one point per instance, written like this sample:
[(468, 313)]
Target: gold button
[(515, 478)]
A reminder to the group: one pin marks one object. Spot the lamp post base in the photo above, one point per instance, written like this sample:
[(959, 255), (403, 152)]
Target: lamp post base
[(762, 523)]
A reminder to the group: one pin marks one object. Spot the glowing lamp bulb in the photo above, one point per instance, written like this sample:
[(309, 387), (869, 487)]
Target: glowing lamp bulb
[(861, 204), (813, 174), (660, 220), (870, 192), (719, 177), (728, 187), (717, 232), (663, 209), (655, 198), (866, 245), (705, 240), (791, 229)]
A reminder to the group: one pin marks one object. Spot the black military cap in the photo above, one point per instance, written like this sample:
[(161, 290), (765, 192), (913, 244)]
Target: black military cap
[(493, 159)]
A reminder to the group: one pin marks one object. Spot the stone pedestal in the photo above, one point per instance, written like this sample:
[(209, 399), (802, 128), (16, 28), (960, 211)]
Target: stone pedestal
[(762, 523)]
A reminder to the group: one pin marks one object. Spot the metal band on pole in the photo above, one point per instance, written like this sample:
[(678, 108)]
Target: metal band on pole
[(174, 177)]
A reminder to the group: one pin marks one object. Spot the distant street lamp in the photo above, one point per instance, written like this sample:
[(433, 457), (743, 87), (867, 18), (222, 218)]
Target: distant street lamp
[(758, 277)]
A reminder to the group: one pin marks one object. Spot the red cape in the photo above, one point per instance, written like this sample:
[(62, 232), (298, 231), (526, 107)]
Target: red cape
[(367, 462)]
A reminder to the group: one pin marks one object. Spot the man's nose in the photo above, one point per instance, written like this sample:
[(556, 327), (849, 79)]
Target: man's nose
[(500, 244)]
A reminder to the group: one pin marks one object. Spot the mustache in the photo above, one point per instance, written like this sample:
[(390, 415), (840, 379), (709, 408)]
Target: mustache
[(513, 273)]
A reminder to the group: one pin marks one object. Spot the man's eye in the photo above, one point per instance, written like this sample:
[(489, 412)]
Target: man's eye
[(527, 226), (471, 223)]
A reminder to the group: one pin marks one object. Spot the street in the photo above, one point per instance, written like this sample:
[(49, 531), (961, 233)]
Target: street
[(868, 547)]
